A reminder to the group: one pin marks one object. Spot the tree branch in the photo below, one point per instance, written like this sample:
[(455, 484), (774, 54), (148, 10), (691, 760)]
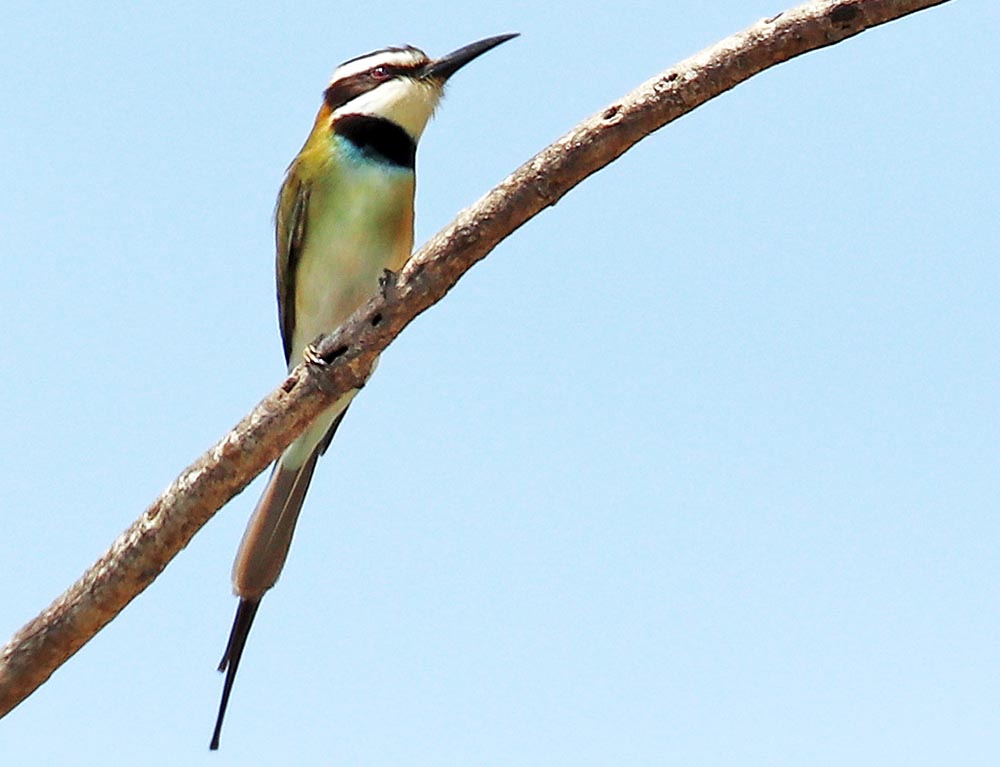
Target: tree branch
[(144, 549)]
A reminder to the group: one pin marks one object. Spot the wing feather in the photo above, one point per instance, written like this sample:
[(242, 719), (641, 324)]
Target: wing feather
[(290, 219)]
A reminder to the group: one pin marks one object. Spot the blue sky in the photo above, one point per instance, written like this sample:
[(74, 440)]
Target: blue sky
[(700, 466)]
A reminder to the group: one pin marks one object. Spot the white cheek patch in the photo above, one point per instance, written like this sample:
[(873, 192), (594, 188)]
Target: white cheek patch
[(408, 103)]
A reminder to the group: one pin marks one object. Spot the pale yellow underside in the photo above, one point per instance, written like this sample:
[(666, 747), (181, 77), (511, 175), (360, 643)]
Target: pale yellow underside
[(360, 223)]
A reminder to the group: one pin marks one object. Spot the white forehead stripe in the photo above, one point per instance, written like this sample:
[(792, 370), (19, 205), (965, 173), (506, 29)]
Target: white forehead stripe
[(398, 57)]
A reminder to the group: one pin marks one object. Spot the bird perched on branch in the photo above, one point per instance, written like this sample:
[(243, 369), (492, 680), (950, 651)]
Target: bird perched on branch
[(344, 216)]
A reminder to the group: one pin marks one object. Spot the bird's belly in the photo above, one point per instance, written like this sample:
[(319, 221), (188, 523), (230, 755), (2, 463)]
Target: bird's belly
[(348, 247)]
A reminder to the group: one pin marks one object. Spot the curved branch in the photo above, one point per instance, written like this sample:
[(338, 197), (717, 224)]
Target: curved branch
[(144, 549)]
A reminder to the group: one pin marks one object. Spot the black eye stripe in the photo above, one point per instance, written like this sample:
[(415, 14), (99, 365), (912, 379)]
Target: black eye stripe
[(344, 90), (392, 70)]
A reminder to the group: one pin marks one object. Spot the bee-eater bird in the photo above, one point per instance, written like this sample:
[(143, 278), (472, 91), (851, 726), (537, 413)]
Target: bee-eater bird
[(344, 216)]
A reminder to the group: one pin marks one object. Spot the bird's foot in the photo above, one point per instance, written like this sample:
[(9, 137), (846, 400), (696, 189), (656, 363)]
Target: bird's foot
[(387, 282), (312, 356)]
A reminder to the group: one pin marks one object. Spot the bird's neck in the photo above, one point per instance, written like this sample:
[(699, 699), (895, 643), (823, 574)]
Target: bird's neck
[(377, 139)]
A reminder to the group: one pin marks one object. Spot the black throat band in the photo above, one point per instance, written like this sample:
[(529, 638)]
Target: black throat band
[(382, 139)]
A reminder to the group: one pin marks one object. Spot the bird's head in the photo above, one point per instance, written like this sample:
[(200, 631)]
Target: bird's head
[(401, 85)]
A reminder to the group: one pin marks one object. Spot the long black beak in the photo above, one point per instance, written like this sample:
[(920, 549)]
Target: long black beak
[(448, 65)]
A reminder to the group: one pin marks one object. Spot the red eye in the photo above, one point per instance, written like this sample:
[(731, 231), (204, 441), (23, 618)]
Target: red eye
[(380, 73)]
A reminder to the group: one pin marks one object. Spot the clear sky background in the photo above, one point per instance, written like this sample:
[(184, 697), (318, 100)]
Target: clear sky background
[(699, 467)]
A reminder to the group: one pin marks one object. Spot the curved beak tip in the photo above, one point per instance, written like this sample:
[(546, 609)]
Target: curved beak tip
[(446, 66)]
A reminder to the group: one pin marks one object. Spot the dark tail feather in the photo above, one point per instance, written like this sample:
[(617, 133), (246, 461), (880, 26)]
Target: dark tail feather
[(262, 554), (231, 658)]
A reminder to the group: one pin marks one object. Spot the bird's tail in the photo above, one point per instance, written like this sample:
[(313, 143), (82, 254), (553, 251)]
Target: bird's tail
[(268, 536), (260, 558), (231, 659)]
